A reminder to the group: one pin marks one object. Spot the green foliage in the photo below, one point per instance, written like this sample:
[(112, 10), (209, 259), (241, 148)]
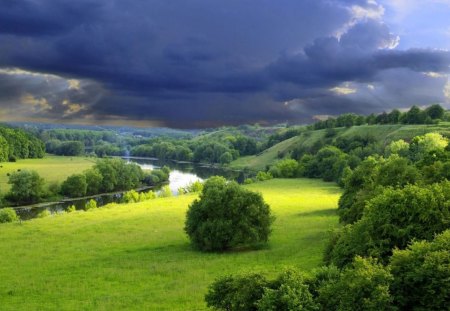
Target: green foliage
[(237, 293), (113, 175), (392, 219), (19, 144), (248, 181), (91, 204), (263, 176), (26, 187), (74, 186), (286, 168), (8, 214), (131, 196), (226, 158), (196, 186), (435, 112), (165, 192), (288, 292), (422, 275), (227, 216), (71, 209), (93, 181), (362, 287), (399, 147), (44, 213)]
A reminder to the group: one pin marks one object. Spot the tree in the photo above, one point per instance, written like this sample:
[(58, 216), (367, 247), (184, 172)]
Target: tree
[(26, 187), (435, 111), (422, 275), (392, 219), (74, 186), (227, 216)]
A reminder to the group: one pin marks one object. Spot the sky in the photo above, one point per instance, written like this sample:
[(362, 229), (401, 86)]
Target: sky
[(208, 63)]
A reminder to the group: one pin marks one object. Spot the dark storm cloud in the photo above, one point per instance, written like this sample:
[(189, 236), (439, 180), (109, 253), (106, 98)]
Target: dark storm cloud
[(201, 62), (45, 17)]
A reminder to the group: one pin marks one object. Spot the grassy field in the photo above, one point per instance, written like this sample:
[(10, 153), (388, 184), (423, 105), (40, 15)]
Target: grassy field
[(51, 168), (137, 257), (382, 133)]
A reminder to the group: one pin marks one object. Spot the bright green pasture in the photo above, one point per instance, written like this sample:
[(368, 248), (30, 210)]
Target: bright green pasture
[(51, 168), (137, 257)]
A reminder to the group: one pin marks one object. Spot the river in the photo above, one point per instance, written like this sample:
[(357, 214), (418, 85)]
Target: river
[(181, 175)]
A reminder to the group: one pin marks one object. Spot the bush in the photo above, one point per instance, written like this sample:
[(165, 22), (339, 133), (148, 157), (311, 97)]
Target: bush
[(262, 176), (165, 192), (227, 216), (8, 214), (44, 213), (131, 196), (249, 181), (71, 209), (237, 293), (287, 168), (288, 292), (363, 286), (91, 204)]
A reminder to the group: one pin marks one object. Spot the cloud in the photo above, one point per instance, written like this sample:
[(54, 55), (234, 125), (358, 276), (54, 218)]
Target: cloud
[(204, 63)]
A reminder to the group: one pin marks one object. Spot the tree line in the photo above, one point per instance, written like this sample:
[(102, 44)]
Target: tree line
[(107, 175), (17, 143)]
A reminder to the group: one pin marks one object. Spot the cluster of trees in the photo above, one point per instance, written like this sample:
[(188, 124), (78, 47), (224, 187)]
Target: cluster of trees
[(107, 175), (205, 149), (65, 148), (415, 115), (416, 278), (393, 252), (19, 144)]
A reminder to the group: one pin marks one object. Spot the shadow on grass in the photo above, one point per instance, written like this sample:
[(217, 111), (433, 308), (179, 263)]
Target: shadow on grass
[(320, 213)]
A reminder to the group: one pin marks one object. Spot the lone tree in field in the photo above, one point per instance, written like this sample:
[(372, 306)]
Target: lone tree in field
[(227, 216)]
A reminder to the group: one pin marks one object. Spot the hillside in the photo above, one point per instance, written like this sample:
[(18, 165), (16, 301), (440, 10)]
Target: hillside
[(382, 133), (136, 256)]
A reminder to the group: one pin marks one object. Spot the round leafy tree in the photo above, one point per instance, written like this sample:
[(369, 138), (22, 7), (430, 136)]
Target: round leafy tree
[(227, 216)]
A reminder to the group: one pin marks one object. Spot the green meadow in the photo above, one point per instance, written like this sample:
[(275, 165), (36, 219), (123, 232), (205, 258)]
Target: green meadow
[(51, 168), (137, 257)]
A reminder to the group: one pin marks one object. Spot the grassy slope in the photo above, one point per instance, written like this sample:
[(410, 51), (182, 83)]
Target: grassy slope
[(384, 133), (136, 256), (51, 168)]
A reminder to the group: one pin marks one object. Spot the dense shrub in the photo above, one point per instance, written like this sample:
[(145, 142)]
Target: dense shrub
[(237, 293), (227, 216), (422, 275), (286, 168), (364, 286), (91, 204), (44, 213), (8, 214), (288, 292)]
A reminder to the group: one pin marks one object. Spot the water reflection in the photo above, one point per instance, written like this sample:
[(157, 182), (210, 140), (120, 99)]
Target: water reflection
[(181, 175)]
